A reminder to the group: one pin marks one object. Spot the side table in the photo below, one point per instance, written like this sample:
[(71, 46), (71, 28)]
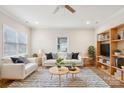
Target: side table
[(85, 61)]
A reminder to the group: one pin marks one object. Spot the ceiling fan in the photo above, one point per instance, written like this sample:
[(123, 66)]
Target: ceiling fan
[(68, 7)]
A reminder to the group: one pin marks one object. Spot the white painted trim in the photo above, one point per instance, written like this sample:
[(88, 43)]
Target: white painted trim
[(3, 11), (17, 50)]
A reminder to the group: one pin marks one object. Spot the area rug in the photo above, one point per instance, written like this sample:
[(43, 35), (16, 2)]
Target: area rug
[(42, 78)]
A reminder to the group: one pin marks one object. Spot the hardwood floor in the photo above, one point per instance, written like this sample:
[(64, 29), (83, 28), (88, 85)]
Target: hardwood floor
[(111, 81)]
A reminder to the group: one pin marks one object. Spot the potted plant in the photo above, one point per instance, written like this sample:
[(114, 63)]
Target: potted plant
[(73, 65), (59, 62), (72, 68), (91, 54), (117, 52), (35, 55)]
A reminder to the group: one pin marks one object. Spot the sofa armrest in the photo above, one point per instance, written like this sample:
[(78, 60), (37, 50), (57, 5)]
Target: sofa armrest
[(79, 58), (13, 71), (32, 60)]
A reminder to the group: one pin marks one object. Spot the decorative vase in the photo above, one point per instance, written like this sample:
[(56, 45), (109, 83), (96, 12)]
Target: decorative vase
[(59, 68)]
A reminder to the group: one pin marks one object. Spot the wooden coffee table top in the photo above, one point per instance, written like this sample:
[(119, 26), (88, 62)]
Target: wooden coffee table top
[(76, 71), (56, 71)]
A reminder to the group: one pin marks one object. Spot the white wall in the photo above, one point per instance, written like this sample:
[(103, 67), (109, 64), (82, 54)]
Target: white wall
[(115, 20), (79, 39), (4, 19)]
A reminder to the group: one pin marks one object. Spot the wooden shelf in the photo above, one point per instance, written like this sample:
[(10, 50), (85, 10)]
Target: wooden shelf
[(104, 64), (110, 36), (119, 56), (118, 68), (104, 40), (106, 32), (119, 40)]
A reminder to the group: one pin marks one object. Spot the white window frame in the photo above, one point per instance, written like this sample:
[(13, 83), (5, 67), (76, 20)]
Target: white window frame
[(67, 42), (17, 50)]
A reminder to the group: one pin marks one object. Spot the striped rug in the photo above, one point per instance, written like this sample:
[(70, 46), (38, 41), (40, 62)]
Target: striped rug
[(42, 78)]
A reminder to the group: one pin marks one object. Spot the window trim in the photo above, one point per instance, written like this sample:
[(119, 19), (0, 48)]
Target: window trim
[(67, 42), (17, 50)]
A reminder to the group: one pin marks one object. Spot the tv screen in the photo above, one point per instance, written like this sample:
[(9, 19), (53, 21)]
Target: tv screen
[(105, 50)]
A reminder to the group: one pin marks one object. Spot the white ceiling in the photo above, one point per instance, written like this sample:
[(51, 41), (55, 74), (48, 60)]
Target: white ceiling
[(63, 18)]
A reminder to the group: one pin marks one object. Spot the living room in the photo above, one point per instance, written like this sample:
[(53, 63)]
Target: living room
[(55, 44)]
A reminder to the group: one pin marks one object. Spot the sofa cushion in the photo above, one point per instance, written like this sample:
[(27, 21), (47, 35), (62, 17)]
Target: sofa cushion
[(50, 61), (24, 59), (72, 61), (7, 61), (54, 55), (49, 56), (69, 56), (30, 67), (75, 55)]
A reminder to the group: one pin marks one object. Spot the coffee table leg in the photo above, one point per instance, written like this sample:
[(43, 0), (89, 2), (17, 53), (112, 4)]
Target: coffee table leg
[(51, 76), (60, 80), (66, 75), (72, 76)]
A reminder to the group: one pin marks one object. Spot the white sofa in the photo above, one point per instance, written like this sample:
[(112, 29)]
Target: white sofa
[(68, 62), (10, 70)]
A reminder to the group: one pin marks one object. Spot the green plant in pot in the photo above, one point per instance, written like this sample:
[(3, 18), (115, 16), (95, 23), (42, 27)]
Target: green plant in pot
[(92, 54), (72, 68), (73, 65), (59, 62), (117, 52), (35, 55)]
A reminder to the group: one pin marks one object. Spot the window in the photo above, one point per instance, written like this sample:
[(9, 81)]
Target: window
[(22, 42), (62, 44), (14, 43)]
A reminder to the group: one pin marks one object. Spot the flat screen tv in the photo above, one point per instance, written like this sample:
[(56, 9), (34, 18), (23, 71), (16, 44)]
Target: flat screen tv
[(105, 50)]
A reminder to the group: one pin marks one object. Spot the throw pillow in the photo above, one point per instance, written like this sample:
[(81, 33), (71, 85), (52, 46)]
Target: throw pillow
[(75, 55), (54, 55), (24, 59), (19, 61), (16, 60), (69, 56), (49, 56)]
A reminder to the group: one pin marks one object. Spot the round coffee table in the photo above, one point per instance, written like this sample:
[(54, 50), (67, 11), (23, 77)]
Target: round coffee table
[(74, 72), (59, 72)]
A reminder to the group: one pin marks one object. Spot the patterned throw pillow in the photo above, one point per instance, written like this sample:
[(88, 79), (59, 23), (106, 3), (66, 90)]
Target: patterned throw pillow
[(24, 59), (54, 55), (69, 56)]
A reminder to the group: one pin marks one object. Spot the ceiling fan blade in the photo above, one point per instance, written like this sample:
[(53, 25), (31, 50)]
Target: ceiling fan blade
[(56, 9), (70, 8)]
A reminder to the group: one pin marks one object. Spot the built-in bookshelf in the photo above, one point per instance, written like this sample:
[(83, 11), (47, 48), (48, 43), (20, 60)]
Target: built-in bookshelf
[(114, 37)]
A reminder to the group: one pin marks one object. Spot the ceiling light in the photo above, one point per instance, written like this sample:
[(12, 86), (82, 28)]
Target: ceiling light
[(87, 22), (36, 22)]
